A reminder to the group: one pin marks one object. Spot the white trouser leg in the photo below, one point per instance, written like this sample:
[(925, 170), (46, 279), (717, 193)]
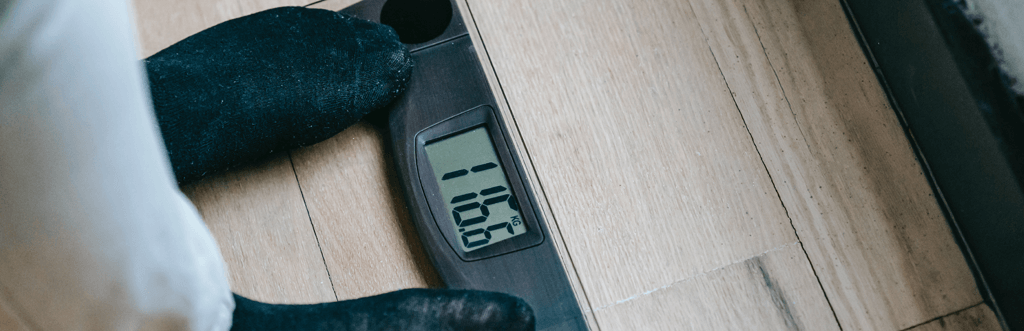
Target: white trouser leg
[(94, 233)]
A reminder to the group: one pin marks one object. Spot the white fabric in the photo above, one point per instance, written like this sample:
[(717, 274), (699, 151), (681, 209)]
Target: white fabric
[(1002, 24), (94, 233)]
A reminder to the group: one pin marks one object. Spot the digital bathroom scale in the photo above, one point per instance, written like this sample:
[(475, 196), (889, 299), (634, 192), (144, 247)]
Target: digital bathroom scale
[(465, 186)]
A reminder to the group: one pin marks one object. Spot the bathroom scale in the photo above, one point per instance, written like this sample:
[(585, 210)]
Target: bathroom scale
[(466, 189)]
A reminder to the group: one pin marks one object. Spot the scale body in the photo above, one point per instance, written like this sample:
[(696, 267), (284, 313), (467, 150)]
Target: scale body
[(448, 99)]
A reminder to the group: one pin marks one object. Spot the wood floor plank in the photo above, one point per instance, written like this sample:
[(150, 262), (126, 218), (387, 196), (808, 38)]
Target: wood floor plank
[(257, 215), (519, 146), (776, 290), (368, 241), (840, 160), (977, 318), (638, 144)]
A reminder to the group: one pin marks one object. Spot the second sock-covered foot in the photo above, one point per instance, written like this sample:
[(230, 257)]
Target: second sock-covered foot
[(411, 310), (270, 81)]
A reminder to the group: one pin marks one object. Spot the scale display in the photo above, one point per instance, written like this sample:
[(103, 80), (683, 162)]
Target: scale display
[(481, 205)]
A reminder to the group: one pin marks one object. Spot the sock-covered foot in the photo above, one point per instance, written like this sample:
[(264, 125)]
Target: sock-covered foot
[(270, 81), (412, 310)]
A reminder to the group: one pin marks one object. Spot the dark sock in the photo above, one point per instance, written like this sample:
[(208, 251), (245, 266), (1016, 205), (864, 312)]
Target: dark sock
[(270, 81), (411, 310)]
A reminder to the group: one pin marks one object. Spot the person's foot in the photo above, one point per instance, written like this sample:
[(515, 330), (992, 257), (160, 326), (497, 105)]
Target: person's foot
[(270, 81), (416, 309)]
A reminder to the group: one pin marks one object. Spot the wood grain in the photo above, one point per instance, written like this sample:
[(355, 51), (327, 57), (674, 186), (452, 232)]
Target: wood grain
[(638, 144), (257, 215), (977, 318), (775, 290), (840, 161), (519, 146), (354, 200)]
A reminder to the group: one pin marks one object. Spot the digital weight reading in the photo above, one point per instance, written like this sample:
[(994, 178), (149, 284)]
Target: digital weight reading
[(477, 195)]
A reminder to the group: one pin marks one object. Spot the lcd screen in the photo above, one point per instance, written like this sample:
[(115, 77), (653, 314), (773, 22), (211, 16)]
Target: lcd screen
[(480, 203)]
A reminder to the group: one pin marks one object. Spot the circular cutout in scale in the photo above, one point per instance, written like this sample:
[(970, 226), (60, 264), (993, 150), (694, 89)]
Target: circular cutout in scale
[(417, 21)]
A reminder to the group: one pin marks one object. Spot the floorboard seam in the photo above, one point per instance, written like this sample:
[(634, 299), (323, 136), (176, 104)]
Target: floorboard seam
[(791, 223), (943, 316), (313, 3), (761, 157), (313, 225), (743, 260)]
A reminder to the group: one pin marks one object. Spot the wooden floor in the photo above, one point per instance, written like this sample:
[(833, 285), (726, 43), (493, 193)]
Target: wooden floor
[(709, 164)]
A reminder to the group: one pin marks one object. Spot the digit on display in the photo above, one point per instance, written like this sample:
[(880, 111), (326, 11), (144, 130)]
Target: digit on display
[(475, 190)]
